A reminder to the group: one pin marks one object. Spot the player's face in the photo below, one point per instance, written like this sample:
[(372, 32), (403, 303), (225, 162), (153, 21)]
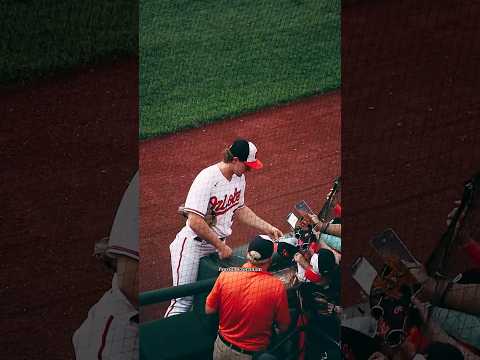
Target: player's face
[(239, 167)]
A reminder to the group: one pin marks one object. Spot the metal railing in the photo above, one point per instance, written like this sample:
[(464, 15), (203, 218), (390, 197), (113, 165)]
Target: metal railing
[(173, 292)]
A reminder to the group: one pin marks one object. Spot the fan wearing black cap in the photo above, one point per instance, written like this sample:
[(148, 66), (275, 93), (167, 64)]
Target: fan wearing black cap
[(314, 266), (320, 298), (322, 274), (248, 301), (217, 189)]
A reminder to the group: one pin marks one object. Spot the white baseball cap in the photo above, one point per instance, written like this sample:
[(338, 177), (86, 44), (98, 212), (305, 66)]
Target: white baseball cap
[(246, 151)]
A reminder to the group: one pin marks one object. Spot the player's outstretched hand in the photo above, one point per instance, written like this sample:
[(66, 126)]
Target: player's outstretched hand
[(224, 252), (275, 233)]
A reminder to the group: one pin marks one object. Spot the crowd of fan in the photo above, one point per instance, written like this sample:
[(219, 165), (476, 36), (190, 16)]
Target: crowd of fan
[(448, 310)]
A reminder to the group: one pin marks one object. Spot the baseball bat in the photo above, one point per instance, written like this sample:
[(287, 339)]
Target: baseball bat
[(325, 211), (436, 264)]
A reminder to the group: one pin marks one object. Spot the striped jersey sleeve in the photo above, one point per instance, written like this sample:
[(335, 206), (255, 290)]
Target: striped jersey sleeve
[(199, 194)]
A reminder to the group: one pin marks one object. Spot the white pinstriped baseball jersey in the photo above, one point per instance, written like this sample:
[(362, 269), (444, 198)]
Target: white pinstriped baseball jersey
[(110, 331), (123, 239), (211, 188)]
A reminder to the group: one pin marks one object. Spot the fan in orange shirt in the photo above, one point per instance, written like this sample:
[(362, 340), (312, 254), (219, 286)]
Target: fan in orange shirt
[(248, 300)]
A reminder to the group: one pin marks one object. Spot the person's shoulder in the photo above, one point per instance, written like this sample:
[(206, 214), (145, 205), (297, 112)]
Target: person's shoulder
[(230, 277), (208, 174), (212, 170), (207, 170), (272, 281), (220, 277)]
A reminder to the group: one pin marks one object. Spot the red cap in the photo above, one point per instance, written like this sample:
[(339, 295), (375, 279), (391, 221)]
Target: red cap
[(337, 211)]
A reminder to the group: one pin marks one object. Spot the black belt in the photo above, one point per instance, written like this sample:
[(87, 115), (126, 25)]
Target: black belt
[(234, 347), (198, 238)]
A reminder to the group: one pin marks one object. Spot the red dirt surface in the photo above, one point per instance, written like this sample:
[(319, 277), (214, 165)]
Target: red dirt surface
[(299, 145), (69, 149)]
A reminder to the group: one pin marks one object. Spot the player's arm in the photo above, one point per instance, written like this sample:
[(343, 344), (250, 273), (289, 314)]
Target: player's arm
[(198, 224), (248, 217), (196, 206)]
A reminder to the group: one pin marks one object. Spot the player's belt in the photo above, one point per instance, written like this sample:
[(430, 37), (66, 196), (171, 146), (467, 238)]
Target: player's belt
[(199, 239), (235, 347)]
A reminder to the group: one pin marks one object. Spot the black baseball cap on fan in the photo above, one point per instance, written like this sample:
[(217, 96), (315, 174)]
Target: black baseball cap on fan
[(326, 262), (246, 151), (260, 248)]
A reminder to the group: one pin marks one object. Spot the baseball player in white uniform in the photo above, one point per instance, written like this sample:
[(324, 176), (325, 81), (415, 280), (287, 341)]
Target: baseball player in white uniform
[(110, 331), (221, 188)]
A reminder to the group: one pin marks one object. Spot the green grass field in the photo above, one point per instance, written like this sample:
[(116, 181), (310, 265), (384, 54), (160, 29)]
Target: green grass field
[(201, 61), (40, 37)]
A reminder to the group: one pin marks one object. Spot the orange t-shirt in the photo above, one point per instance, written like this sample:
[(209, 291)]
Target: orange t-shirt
[(248, 302)]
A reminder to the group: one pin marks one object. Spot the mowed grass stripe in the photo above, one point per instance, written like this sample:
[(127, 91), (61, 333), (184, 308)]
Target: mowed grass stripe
[(43, 36), (208, 60)]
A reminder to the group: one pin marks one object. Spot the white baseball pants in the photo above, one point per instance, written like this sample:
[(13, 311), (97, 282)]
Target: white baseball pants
[(185, 253)]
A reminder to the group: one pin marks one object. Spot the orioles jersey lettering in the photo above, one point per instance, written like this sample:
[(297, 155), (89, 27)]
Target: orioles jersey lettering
[(228, 202)]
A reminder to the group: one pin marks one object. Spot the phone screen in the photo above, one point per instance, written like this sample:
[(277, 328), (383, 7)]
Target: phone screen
[(292, 220), (303, 208), (364, 274), (389, 245)]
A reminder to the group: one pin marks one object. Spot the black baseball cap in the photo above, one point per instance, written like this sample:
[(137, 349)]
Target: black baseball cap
[(246, 151), (326, 262), (260, 248)]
